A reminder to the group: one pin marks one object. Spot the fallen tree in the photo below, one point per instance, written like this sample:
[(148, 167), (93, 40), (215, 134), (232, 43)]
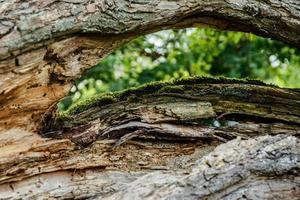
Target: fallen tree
[(195, 138)]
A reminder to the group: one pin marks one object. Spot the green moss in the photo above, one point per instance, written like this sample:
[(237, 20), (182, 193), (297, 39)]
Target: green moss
[(217, 80), (60, 119), (97, 100), (172, 89), (64, 116), (150, 88)]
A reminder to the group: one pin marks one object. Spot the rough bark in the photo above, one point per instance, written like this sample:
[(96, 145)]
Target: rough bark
[(44, 45), (209, 139), (266, 167), (187, 109), (189, 139)]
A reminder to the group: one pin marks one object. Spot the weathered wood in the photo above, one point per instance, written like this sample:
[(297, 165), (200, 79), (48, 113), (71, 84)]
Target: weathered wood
[(266, 167), (186, 109), (193, 138), (46, 44), (157, 142)]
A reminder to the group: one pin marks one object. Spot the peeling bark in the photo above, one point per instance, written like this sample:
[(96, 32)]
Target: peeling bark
[(209, 139), (45, 45), (266, 167), (187, 109), (190, 139)]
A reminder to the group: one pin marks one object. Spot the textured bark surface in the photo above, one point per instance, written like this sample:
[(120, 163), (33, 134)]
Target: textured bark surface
[(185, 109), (45, 44), (204, 139), (266, 167), (190, 139)]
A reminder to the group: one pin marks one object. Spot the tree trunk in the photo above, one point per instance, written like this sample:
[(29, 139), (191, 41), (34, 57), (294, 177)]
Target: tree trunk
[(45, 45), (191, 139)]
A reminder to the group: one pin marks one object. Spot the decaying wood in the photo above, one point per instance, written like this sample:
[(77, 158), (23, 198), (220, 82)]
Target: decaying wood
[(46, 44), (266, 167), (33, 88), (186, 110), (209, 139), (190, 139)]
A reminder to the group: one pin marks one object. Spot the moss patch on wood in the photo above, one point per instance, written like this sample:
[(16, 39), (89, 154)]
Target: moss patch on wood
[(176, 86), (186, 109), (172, 89)]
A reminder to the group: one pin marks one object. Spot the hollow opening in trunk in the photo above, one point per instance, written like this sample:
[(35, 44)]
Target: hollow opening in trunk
[(172, 54)]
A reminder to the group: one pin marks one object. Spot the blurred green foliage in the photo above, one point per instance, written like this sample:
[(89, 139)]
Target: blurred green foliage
[(173, 54)]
